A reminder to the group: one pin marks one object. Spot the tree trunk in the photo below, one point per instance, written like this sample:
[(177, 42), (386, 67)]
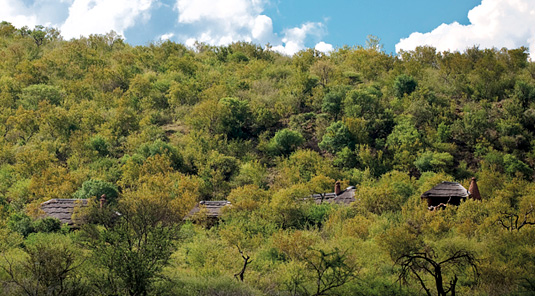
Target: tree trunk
[(246, 261), (438, 281)]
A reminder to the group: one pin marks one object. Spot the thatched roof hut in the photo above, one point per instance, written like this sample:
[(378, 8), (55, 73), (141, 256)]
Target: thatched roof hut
[(63, 208), (445, 193), (345, 197)]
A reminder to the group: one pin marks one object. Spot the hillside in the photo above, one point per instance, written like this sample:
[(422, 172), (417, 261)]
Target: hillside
[(158, 128)]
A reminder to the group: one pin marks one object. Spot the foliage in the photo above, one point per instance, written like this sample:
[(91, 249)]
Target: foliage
[(157, 128), (326, 271), (336, 137), (97, 188), (332, 103), (47, 224), (285, 142), (433, 161), (49, 265), (21, 223), (404, 84), (419, 263), (136, 247)]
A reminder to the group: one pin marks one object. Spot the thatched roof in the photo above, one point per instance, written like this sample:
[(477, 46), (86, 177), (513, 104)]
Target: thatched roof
[(447, 190), (62, 209), (212, 207), (345, 197)]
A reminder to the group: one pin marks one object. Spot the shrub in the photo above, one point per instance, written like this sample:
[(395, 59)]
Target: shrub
[(96, 188), (21, 223), (47, 224), (404, 84), (286, 141)]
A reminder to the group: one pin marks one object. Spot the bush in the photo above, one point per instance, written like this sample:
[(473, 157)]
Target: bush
[(49, 267), (513, 166), (404, 84), (21, 223), (337, 137), (162, 148), (388, 194), (222, 286), (434, 161), (99, 144), (47, 224), (316, 215), (332, 103), (33, 94), (96, 188), (286, 141)]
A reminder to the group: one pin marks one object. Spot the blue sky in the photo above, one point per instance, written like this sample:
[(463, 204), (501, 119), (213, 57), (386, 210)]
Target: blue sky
[(290, 25), (350, 22)]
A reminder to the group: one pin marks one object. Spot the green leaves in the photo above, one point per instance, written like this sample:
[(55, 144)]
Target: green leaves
[(337, 137), (434, 161), (285, 142), (404, 84), (97, 188), (171, 126), (34, 94), (133, 254)]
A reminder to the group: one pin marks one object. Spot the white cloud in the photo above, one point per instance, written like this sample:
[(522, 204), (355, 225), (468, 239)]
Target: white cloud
[(324, 47), (294, 38), (494, 23), (77, 17), (222, 22), (262, 29), (101, 16), (240, 11), (215, 22), (167, 36), (17, 13), (38, 12)]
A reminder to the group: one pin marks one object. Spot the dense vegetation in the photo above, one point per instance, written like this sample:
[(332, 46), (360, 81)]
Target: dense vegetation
[(159, 127)]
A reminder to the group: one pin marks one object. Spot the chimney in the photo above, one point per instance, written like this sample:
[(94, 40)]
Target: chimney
[(102, 200), (474, 191), (337, 189)]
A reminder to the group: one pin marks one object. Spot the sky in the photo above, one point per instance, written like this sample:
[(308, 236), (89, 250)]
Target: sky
[(290, 25)]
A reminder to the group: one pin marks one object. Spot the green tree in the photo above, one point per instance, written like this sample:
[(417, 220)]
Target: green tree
[(513, 165), (236, 121), (286, 141), (524, 92), (363, 103), (138, 244), (100, 145), (49, 265), (434, 161), (162, 148), (404, 84), (134, 254), (40, 34), (337, 137), (21, 223), (324, 272), (374, 43), (96, 188), (426, 263), (388, 194), (404, 142), (32, 95), (332, 103), (47, 224)]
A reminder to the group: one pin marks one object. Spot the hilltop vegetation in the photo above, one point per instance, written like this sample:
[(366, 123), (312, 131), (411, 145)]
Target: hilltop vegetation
[(160, 127)]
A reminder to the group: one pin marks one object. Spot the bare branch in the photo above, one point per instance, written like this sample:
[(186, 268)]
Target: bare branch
[(240, 275)]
